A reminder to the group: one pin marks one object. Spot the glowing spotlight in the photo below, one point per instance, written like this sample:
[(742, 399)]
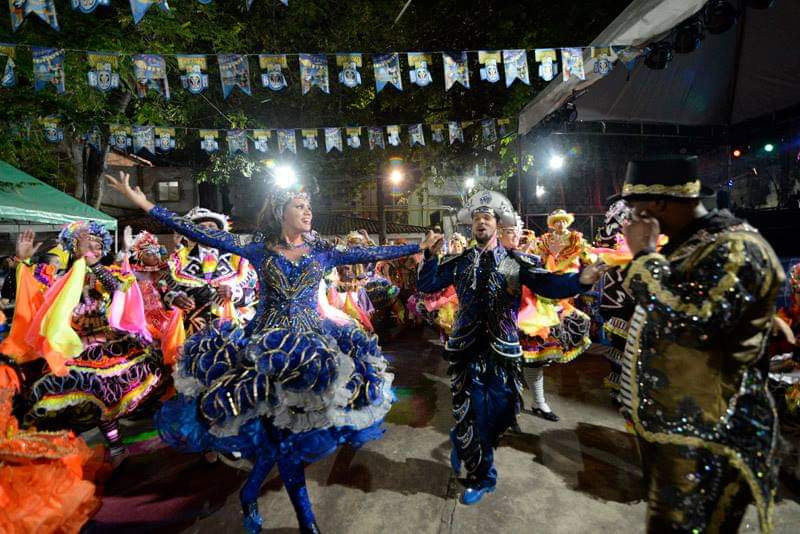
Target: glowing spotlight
[(284, 176), (469, 183), (396, 176), (769, 147), (556, 162), (736, 153), (540, 191)]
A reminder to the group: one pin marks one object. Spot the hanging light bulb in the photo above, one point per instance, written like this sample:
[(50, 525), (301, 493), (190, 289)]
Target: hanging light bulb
[(720, 16), (688, 36), (658, 55)]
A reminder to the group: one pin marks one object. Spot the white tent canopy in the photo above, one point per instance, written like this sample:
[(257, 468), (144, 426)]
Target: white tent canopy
[(751, 70)]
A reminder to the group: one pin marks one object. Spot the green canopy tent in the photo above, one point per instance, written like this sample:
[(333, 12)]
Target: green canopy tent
[(26, 202)]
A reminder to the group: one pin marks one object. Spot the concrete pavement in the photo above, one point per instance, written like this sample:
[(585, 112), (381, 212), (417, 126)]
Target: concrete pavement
[(577, 475)]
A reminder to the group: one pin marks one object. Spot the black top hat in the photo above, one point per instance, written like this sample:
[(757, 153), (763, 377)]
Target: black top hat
[(665, 176)]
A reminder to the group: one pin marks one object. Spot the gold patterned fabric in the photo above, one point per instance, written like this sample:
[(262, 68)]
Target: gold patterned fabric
[(697, 366)]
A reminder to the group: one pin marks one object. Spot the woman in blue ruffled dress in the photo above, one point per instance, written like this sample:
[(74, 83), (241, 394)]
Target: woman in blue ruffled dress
[(290, 387)]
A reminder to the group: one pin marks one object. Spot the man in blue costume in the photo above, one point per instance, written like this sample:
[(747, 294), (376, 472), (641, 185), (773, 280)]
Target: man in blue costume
[(483, 350)]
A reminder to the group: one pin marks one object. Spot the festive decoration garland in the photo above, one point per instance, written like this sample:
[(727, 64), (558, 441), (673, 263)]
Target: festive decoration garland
[(161, 139), (150, 70)]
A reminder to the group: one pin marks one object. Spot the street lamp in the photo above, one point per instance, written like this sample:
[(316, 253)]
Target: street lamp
[(396, 176), (556, 162), (540, 191), (469, 183), (284, 176)]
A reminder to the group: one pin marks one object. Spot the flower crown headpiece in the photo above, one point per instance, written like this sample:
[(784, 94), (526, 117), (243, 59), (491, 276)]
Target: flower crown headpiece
[(68, 237), (146, 242)]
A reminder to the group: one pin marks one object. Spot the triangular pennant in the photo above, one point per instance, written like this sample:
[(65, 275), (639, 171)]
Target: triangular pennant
[(165, 140), (416, 135), (349, 76), (88, 6), (375, 136), (387, 71), (437, 133), (9, 78), (548, 63), (150, 72), (93, 138), (502, 125), (234, 71), (572, 63), (602, 60), (120, 137), (208, 141), (353, 137), (140, 7), (103, 75), (420, 73), (314, 72), (489, 134), (44, 9), (309, 139), (490, 65), (194, 78), (53, 132), (516, 64), (261, 140), (272, 76), (287, 141), (144, 138), (333, 139), (456, 69), (393, 134), (237, 142), (456, 132), (48, 69)]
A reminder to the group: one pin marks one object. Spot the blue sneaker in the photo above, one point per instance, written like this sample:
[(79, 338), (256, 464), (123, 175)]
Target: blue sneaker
[(455, 461), (474, 495), (252, 519)]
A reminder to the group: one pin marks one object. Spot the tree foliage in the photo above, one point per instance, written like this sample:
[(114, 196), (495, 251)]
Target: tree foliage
[(304, 26)]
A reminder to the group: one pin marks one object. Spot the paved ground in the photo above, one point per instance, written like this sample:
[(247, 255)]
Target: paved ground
[(577, 475)]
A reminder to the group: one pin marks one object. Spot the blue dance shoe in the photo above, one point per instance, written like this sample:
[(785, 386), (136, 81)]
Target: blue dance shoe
[(474, 495), (252, 519)]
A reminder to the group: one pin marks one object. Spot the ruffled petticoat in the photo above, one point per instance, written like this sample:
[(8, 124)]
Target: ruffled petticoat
[(551, 331), (300, 393), (107, 381)]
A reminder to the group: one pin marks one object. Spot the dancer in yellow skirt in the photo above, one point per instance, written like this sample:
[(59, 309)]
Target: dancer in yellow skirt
[(554, 331)]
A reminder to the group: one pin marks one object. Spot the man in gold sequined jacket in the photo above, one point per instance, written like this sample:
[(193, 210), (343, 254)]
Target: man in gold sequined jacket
[(696, 367)]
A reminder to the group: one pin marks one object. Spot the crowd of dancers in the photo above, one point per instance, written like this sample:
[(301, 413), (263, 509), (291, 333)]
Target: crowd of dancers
[(265, 351)]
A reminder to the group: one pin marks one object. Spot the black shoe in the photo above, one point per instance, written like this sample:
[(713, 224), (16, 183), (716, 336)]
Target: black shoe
[(550, 416), (514, 429)]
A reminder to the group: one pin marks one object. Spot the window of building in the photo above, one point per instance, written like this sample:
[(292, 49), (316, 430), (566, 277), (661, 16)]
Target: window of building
[(169, 191)]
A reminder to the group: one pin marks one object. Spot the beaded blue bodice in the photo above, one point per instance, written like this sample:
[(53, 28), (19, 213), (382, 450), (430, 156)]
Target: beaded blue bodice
[(287, 290)]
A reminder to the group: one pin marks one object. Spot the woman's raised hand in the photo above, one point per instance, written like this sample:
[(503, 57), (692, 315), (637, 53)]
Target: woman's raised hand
[(26, 246), (123, 185)]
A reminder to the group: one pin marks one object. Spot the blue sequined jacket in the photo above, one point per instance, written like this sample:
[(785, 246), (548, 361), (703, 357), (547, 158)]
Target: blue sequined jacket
[(489, 294), (287, 290)]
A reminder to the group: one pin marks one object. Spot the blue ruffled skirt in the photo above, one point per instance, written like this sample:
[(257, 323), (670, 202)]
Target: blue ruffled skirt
[(278, 391)]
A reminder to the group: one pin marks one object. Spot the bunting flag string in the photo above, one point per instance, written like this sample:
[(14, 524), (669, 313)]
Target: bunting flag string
[(150, 70), (48, 69), (162, 139)]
